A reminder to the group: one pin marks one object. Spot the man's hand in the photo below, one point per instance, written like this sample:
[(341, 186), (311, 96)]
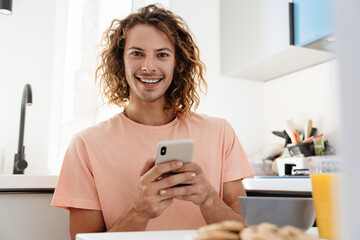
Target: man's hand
[(149, 203), (198, 190)]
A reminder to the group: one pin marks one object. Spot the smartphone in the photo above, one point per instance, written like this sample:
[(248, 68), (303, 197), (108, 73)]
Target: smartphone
[(167, 151), (181, 149)]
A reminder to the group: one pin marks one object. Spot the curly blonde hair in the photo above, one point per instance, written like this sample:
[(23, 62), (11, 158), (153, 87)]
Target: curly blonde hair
[(189, 70)]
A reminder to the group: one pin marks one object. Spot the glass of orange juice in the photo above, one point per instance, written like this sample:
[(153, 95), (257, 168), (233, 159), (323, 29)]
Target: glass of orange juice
[(325, 172)]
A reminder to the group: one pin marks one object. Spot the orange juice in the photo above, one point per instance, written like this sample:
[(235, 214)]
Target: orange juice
[(325, 194)]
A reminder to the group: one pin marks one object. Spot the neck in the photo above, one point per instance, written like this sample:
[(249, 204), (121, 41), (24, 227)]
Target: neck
[(153, 116)]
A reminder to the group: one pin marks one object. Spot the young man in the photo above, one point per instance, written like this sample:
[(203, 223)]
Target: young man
[(151, 67)]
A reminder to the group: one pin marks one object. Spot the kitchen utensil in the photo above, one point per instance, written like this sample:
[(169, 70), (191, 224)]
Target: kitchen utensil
[(290, 130), (284, 135), (281, 211), (313, 132), (311, 139), (307, 129), (297, 134), (280, 134), (305, 149)]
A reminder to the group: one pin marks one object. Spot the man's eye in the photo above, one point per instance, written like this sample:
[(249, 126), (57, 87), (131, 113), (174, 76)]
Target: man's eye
[(137, 54), (163, 55)]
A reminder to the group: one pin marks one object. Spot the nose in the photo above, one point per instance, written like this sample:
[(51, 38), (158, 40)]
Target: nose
[(149, 65)]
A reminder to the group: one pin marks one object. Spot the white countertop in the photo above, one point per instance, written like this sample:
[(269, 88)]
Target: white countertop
[(9, 182), (14, 182), (153, 235), (278, 184)]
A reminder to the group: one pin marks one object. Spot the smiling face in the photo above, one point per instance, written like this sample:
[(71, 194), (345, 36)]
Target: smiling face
[(149, 58)]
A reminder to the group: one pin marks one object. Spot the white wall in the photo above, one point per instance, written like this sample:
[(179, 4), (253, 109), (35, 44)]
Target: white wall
[(237, 100), (253, 108), (308, 94), (26, 56)]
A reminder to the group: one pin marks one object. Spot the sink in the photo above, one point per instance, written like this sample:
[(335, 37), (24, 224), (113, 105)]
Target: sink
[(27, 182)]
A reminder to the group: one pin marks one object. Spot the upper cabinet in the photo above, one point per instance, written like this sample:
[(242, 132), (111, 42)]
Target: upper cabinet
[(266, 39), (313, 24)]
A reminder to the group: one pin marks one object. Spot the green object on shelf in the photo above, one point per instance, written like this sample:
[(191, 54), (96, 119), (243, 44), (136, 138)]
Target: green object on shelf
[(319, 146)]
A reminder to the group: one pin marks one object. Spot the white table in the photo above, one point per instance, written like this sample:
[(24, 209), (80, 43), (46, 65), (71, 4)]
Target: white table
[(152, 235), (148, 235)]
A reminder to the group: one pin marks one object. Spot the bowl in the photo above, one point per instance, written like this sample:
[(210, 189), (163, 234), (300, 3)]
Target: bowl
[(281, 211)]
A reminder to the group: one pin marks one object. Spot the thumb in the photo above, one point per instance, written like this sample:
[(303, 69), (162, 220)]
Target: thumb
[(147, 166)]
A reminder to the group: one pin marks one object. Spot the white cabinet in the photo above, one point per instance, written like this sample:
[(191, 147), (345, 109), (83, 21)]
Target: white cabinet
[(255, 41), (313, 20), (28, 215)]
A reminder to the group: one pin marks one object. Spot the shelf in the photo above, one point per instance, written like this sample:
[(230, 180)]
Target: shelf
[(287, 61)]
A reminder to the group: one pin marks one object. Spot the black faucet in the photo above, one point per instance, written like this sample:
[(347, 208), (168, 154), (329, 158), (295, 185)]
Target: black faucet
[(19, 162)]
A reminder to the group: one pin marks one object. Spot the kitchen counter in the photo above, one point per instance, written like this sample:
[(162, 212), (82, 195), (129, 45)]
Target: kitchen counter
[(9, 182), (24, 182), (153, 235), (278, 184)]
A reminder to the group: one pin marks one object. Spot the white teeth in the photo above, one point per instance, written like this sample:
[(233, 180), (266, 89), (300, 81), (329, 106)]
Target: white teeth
[(150, 81)]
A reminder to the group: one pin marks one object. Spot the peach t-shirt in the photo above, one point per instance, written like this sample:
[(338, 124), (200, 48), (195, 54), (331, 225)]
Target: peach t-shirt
[(102, 165)]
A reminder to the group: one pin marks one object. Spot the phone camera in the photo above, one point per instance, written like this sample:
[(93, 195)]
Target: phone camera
[(163, 151)]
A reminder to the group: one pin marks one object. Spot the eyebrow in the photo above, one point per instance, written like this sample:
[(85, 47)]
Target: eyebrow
[(164, 49), (157, 50)]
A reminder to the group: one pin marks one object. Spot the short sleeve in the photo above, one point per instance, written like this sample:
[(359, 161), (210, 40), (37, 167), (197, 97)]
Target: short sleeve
[(236, 165), (76, 187)]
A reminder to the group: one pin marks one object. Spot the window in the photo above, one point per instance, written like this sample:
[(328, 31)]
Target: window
[(77, 103)]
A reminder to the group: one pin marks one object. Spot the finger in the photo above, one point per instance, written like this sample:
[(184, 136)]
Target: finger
[(173, 180), (190, 178), (164, 197), (190, 198), (162, 168), (194, 180), (180, 191), (190, 167), (164, 175), (147, 166)]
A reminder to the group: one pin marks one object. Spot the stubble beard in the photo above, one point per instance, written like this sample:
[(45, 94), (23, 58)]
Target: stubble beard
[(148, 96)]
